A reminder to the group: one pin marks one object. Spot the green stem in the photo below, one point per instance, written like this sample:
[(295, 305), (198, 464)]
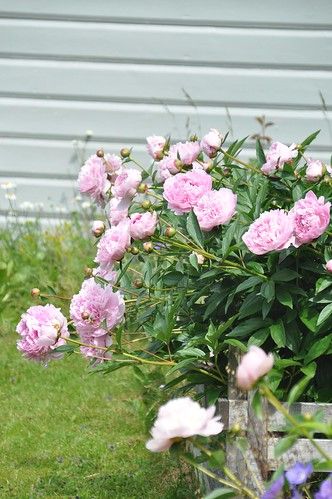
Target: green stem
[(240, 162), (278, 405)]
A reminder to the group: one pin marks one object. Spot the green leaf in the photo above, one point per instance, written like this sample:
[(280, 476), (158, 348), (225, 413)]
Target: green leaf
[(194, 230), (284, 445), (247, 327), (217, 458), (236, 343), (284, 297), (268, 290), (224, 493), (260, 155), (259, 337), (284, 275), (64, 349), (325, 314), (250, 306), (309, 139), (318, 349), (247, 284), (298, 389), (191, 352), (193, 261), (278, 335), (309, 318)]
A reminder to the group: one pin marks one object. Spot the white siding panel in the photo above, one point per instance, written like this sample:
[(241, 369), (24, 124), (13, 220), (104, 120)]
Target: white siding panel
[(170, 84), (184, 44), (211, 11)]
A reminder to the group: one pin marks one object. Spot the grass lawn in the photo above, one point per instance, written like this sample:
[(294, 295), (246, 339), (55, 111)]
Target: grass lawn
[(63, 431)]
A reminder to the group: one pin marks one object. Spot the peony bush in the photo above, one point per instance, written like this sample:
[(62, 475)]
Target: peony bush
[(201, 254)]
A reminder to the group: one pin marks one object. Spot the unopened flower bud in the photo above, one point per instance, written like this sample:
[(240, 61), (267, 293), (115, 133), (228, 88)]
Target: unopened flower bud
[(193, 138), (98, 228), (142, 188), (88, 271), (148, 247), (125, 152), (236, 428), (100, 153), (85, 315), (35, 292), (146, 204), (170, 232), (134, 250), (178, 164), (159, 155), (138, 283), (307, 416)]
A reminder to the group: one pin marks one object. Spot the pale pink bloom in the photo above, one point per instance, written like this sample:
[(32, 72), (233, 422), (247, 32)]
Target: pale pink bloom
[(155, 145), (97, 228), (201, 165), (311, 217), (106, 273), (96, 349), (92, 179), (314, 170), (43, 328), (126, 183), (118, 210), (254, 364), (186, 151), (166, 168), (183, 191), (143, 225), (272, 231), (328, 266), (96, 307), (277, 156), (215, 208), (211, 142), (182, 418), (113, 244), (200, 258), (113, 164)]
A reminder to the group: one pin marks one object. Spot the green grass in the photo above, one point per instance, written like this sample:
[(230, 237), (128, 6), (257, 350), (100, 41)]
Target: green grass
[(63, 431)]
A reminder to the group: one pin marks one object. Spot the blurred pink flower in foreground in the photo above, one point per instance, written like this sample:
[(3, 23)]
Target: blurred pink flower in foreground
[(215, 208), (183, 191), (311, 217), (41, 328), (182, 418), (254, 364), (272, 231)]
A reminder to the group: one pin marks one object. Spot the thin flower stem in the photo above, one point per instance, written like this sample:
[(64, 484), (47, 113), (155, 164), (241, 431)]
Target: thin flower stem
[(278, 405), (43, 295), (140, 166), (240, 162)]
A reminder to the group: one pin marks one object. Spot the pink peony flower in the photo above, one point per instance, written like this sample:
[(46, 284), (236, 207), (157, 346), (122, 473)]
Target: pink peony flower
[(92, 179), (186, 151), (215, 208), (98, 227), (166, 168), (328, 266), (253, 366), (96, 307), (314, 170), (184, 190), (211, 142), (143, 225), (310, 217), (182, 418), (106, 273), (112, 246), (126, 183), (118, 210), (43, 328), (96, 349), (277, 156), (155, 145), (272, 231), (113, 164)]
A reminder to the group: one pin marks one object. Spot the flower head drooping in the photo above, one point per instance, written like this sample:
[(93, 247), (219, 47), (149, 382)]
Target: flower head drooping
[(187, 152), (325, 490), (92, 179), (113, 244), (272, 231), (277, 156), (184, 190), (155, 145), (275, 489), (42, 328), (211, 142), (126, 183), (215, 208), (143, 225), (311, 217), (315, 170), (182, 418), (96, 307), (299, 473), (254, 364)]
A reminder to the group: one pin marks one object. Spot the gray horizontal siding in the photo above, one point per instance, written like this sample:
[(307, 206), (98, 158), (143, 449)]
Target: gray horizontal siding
[(126, 70)]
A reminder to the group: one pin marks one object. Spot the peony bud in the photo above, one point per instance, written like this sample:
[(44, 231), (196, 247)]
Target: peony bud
[(254, 364), (170, 232), (125, 152), (88, 271), (98, 228), (314, 171), (134, 250), (142, 188), (146, 204), (148, 247), (35, 292), (178, 163), (159, 156), (138, 283), (85, 315), (100, 153), (328, 266)]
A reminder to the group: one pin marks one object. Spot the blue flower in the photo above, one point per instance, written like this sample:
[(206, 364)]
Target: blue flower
[(325, 491), (299, 473), (275, 488)]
